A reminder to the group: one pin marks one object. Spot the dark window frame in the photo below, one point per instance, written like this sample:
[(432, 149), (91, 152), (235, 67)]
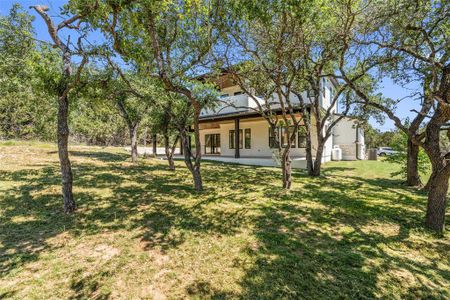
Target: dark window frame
[(248, 139), (212, 138), (231, 139), (272, 139)]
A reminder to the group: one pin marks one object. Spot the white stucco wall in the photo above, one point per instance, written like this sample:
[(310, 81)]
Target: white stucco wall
[(259, 140), (348, 138), (344, 136)]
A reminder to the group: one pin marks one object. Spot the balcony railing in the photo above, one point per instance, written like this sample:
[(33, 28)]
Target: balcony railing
[(232, 104)]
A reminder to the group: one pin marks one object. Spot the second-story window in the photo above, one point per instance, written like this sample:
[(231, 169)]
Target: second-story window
[(237, 93)]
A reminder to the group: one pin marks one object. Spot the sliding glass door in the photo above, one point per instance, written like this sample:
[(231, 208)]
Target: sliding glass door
[(212, 143)]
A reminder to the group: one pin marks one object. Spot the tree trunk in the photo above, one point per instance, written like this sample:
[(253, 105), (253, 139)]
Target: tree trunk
[(437, 202), (154, 145), (412, 171), (198, 149), (171, 162), (318, 161), (286, 169), (144, 141), (169, 153), (308, 149), (63, 152), (134, 142), (198, 184), (309, 157), (63, 139)]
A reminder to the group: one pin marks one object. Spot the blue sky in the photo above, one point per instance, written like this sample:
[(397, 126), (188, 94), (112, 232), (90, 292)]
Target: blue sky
[(387, 87)]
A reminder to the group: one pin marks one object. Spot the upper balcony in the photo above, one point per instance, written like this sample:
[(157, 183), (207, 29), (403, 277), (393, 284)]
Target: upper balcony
[(243, 102), (232, 104)]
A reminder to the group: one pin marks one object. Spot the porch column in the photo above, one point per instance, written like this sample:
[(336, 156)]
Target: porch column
[(236, 139), (154, 145)]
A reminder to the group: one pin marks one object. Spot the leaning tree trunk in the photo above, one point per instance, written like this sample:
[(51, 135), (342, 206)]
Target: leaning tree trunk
[(437, 202), (198, 185), (286, 168), (63, 139), (412, 170), (134, 141)]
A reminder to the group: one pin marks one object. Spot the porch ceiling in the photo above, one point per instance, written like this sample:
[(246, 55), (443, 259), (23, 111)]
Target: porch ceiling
[(209, 124)]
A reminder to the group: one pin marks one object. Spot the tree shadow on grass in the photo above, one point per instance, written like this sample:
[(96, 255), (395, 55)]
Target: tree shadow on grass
[(332, 252), (88, 286), (101, 155), (319, 250), (31, 215)]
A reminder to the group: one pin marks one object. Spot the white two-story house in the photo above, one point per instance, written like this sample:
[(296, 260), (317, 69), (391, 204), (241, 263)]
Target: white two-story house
[(235, 130)]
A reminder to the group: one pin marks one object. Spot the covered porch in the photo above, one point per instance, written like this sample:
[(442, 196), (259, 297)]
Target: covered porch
[(297, 162)]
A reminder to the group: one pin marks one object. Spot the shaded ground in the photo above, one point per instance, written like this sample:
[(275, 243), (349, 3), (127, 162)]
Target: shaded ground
[(143, 232)]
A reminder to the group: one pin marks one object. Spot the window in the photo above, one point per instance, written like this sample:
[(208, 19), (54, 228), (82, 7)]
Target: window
[(248, 138), (286, 133), (224, 95), (272, 137), (238, 93), (232, 138), (212, 143), (301, 137)]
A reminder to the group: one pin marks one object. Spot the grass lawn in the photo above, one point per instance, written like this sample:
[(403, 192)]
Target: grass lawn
[(142, 232)]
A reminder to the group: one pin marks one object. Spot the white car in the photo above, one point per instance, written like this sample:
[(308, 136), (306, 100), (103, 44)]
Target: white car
[(383, 151)]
